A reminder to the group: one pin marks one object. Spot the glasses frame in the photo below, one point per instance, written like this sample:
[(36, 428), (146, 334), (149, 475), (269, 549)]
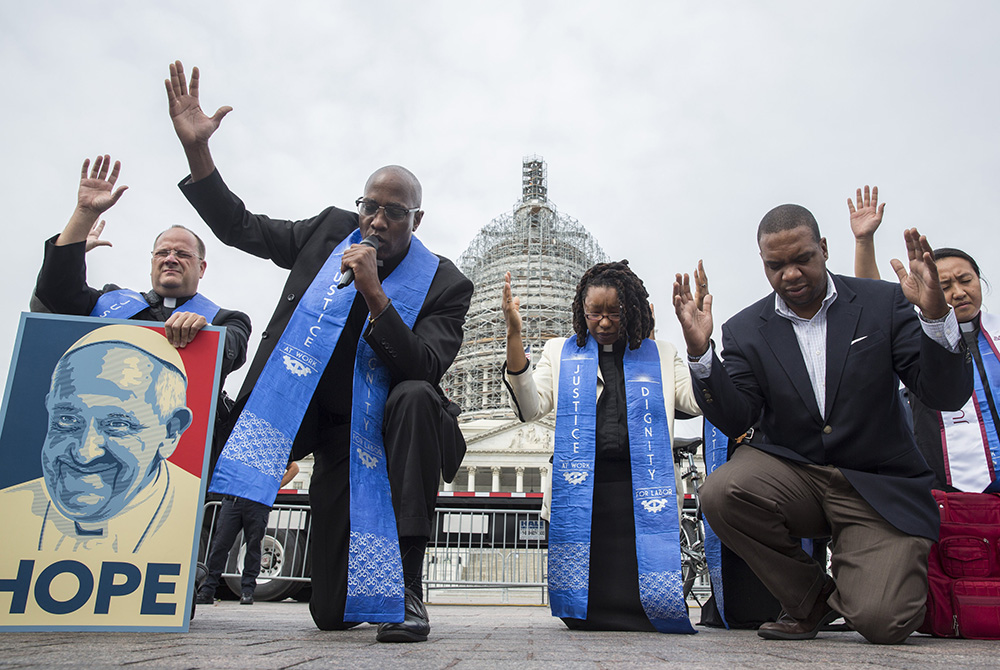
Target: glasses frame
[(360, 202), (613, 318), (179, 254)]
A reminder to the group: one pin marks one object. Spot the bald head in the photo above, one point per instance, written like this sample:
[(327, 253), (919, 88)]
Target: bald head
[(402, 176)]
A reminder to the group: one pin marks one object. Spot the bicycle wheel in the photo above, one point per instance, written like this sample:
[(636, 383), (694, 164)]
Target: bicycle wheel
[(691, 559)]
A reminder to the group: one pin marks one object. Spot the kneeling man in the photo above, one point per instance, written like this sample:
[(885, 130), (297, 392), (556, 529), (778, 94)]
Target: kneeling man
[(819, 362)]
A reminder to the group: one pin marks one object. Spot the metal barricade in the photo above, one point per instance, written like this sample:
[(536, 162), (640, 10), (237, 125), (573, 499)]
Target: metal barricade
[(476, 554), (480, 549)]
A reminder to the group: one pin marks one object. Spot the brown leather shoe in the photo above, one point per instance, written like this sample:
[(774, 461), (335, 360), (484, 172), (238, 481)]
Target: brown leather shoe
[(787, 628)]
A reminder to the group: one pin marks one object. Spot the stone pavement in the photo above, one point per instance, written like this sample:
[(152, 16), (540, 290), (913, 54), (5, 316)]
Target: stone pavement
[(281, 635)]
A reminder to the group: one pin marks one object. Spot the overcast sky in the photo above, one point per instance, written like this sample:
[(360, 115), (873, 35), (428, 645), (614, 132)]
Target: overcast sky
[(669, 128)]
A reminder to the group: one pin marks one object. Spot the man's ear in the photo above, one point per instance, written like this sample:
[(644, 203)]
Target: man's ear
[(417, 216), (179, 421)]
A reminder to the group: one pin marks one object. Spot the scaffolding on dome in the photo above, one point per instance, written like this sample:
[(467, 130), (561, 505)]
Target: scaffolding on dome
[(546, 253)]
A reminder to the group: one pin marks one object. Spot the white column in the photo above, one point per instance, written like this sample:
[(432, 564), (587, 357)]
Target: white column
[(496, 479), (519, 486), (449, 486), (471, 469), (544, 472)]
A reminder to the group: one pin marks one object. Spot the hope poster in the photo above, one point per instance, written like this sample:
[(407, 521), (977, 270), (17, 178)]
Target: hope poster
[(103, 453)]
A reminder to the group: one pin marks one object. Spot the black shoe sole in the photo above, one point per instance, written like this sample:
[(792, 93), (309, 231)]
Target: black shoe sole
[(399, 635)]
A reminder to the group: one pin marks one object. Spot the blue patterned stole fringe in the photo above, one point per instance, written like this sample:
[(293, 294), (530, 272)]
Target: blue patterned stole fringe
[(716, 453)]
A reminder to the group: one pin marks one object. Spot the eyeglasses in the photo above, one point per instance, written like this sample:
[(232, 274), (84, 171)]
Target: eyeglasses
[(394, 213), (179, 254), (614, 318)]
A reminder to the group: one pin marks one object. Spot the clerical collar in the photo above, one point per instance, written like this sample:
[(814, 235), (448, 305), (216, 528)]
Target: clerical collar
[(154, 298), (970, 326), (385, 268), (618, 345)]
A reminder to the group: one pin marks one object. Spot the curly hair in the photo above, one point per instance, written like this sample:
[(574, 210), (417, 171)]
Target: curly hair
[(637, 317)]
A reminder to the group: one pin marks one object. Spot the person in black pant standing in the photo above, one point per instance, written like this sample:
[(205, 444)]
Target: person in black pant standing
[(236, 514)]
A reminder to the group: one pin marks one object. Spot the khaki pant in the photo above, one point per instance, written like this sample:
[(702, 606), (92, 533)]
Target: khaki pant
[(759, 505)]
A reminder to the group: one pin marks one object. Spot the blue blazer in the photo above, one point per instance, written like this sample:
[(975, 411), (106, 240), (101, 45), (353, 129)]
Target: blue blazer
[(874, 340)]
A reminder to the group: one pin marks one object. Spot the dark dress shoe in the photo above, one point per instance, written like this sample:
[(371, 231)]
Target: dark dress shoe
[(832, 627), (415, 626), (787, 628), (246, 599), (204, 599)]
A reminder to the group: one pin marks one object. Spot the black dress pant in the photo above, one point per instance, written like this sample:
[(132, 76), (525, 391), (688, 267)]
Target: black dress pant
[(422, 442), (236, 514)]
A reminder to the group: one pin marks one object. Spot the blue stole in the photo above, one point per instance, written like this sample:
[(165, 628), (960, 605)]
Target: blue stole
[(991, 366), (126, 303), (716, 453), (256, 453), (573, 480), (657, 529)]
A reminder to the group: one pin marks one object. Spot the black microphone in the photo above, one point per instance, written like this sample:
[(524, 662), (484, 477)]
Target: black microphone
[(371, 241)]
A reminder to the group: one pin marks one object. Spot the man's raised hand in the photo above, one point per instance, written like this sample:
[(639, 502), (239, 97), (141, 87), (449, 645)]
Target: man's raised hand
[(192, 125), (97, 193), (701, 285), (921, 285), (94, 237), (695, 320)]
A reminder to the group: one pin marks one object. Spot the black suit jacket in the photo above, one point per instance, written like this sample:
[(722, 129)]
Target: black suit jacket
[(874, 340), (423, 353), (62, 289)]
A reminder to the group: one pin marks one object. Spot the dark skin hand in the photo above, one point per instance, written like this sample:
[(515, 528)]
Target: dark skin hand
[(694, 311), (921, 284), (192, 125), (362, 259)]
